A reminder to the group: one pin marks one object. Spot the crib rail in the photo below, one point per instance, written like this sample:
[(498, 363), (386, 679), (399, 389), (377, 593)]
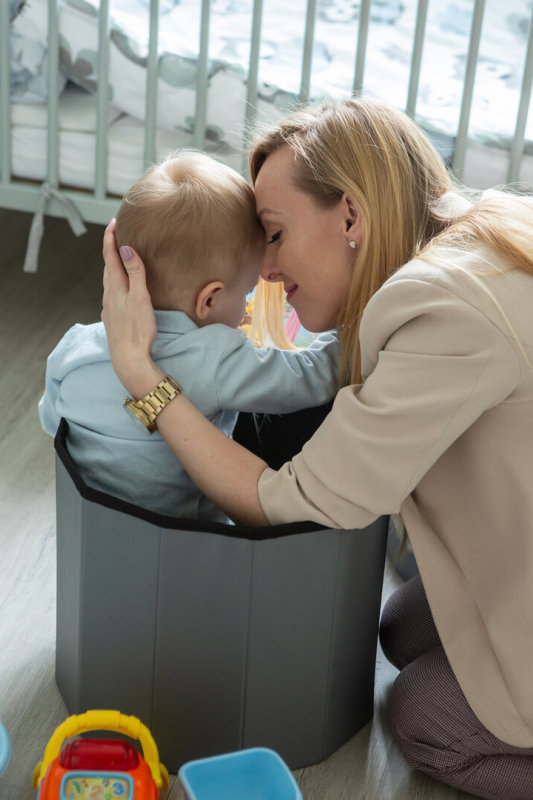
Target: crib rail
[(5, 115), (98, 205)]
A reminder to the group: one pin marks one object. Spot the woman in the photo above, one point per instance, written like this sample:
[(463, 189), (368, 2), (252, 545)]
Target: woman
[(432, 295)]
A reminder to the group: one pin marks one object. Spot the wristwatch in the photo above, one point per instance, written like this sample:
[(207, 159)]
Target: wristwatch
[(148, 408)]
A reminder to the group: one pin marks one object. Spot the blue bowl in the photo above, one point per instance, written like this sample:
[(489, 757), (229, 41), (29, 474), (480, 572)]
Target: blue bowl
[(254, 774), (5, 749)]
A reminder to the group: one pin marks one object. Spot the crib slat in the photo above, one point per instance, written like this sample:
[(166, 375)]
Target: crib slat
[(362, 39), (52, 89), (468, 89), (307, 57), (200, 117), (151, 86), (416, 59), (5, 115), (517, 145), (102, 102), (253, 64), (250, 114)]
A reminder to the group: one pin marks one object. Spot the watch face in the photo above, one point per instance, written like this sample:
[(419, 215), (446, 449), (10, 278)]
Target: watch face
[(96, 786)]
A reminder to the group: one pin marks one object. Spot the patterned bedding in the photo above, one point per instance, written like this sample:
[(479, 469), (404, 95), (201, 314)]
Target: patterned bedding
[(498, 78)]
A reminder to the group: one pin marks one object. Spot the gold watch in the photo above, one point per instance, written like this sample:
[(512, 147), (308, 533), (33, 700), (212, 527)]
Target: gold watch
[(148, 408)]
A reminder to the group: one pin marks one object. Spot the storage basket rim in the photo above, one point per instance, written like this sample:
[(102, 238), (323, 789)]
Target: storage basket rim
[(163, 521)]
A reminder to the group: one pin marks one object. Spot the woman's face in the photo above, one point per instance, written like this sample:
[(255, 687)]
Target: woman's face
[(307, 246)]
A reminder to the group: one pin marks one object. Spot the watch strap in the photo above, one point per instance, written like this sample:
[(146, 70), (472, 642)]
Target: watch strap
[(148, 408)]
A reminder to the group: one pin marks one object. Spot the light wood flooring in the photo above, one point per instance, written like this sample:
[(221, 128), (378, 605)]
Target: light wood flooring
[(35, 310)]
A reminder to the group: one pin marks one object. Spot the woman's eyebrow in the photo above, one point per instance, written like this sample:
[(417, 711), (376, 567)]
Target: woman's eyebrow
[(264, 211)]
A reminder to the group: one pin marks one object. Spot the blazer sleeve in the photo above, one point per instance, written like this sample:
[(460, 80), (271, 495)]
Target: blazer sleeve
[(274, 381), (435, 364)]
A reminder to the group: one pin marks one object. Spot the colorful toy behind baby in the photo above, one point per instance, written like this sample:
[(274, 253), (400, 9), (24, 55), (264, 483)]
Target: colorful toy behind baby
[(100, 769)]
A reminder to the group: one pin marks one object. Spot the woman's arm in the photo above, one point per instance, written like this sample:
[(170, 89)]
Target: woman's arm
[(225, 472)]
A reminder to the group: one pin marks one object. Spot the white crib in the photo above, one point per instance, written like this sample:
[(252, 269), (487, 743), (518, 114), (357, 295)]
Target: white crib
[(91, 91)]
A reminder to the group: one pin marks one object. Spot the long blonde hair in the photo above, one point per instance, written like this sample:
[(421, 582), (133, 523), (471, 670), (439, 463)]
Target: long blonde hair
[(268, 318), (382, 160)]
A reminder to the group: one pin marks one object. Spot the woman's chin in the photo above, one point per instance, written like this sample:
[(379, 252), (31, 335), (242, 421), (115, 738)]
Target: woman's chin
[(313, 323)]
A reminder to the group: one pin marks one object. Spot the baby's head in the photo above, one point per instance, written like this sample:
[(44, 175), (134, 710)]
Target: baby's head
[(193, 222)]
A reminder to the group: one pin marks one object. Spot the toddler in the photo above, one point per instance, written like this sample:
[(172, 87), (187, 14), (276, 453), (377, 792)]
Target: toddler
[(193, 222)]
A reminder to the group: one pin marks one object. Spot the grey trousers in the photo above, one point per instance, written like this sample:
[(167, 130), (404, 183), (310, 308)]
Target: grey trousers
[(430, 719)]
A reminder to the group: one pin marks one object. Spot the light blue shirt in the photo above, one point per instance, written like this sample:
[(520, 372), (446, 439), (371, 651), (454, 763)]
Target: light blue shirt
[(221, 372)]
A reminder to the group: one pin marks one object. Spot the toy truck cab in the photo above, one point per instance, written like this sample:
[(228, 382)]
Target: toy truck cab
[(100, 769)]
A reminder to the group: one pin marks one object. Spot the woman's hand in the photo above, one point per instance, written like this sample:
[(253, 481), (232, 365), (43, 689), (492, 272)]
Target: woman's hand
[(128, 317)]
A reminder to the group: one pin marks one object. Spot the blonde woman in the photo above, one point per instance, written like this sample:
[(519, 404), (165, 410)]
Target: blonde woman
[(432, 294)]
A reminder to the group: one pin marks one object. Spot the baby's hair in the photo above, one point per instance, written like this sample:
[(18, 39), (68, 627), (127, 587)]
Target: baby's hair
[(192, 220)]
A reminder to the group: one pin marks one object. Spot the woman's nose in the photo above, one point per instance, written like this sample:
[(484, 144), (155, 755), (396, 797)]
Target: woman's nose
[(269, 270)]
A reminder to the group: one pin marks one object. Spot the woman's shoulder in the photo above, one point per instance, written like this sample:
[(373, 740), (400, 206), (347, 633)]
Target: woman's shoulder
[(444, 265), (445, 285), (469, 273)]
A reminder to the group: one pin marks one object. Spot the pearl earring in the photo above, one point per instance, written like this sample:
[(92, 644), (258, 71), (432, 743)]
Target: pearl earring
[(352, 243)]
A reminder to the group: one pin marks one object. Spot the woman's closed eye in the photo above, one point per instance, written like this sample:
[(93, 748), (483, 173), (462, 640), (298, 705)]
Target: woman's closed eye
[(274, 238)]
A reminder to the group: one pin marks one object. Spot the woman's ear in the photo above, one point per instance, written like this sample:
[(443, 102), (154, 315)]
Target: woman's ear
[(353, 220), (206, 299)]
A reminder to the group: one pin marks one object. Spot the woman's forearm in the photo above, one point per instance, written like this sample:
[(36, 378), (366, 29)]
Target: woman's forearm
[(225, 471)]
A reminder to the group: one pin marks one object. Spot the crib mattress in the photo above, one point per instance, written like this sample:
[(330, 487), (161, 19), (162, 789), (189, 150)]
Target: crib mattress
[(486, 161)]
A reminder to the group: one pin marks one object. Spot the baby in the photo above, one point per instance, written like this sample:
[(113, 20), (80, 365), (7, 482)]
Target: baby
[(193, 222)]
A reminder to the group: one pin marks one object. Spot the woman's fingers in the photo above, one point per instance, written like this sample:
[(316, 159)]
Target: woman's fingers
[(114, 273), (127, 315), (123, 270), (135, 271)]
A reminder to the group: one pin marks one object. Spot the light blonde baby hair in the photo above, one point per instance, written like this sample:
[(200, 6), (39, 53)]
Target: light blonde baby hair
[(381, 159), (192, 219)]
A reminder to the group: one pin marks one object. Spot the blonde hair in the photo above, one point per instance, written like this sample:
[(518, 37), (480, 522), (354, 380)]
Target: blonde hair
[(268, 319), (192, 219), (382, 160)]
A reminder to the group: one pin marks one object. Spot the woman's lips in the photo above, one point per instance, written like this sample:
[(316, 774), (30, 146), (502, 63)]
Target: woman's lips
[(290, 291)]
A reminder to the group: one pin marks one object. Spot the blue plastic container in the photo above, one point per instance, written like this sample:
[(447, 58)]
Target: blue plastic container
[(255, 774), (5, 749)]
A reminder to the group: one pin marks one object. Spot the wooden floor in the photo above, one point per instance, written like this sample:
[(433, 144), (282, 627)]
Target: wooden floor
[(35, 310)]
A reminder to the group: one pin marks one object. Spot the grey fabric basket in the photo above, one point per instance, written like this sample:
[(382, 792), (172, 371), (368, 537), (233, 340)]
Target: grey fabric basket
[(217, 637)]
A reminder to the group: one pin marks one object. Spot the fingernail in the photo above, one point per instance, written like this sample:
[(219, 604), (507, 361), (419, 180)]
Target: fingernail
[(125, 252)]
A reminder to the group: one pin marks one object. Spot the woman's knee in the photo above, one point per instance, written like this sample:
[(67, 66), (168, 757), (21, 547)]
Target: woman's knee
[(406, 628), (439, 734)]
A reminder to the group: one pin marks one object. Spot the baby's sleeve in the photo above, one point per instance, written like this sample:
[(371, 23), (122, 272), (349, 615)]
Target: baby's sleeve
[(274, 381), (55, 372)]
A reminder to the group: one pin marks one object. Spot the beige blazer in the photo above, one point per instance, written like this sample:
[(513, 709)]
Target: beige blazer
[(441, 430)]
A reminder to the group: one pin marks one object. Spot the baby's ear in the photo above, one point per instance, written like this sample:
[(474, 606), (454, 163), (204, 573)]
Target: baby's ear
[(206, 299)]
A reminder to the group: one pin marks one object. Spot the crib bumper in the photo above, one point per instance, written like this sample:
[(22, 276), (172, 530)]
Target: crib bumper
[(217, 638)]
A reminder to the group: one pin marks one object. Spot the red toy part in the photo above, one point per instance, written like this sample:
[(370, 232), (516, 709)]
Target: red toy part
[(94, 754)]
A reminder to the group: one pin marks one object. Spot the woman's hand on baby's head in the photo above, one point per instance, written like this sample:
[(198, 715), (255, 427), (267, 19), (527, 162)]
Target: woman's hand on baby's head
[(128, 317)]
